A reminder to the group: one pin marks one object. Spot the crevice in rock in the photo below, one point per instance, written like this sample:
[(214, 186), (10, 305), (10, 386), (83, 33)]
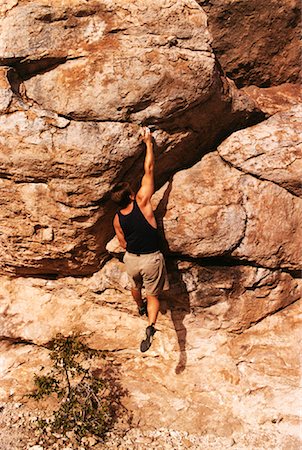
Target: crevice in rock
[(16, 340), (117, 30), (17, 88), (50, 17), (80, 118), (27, 68), (256, 176), (282, 308), (5, 176), (227, 260), (296, 274)]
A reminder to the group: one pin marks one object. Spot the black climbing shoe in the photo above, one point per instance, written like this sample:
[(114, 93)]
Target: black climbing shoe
[(143, 309), (146, 343)]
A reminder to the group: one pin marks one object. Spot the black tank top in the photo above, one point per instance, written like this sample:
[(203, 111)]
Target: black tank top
[(141, 237)]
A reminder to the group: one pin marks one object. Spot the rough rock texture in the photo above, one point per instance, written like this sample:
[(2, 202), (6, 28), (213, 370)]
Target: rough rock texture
[(248, 380), (256, 42), (235, 297), (213, 209), (232, 298), (83, 78), (120, 55), (77, 79), (273, 235), (276, 98), (16, 432), (271, 150), (202, 209)]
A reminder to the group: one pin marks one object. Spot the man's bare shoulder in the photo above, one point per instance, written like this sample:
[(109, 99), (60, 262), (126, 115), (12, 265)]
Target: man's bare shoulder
[(147, 210), (143, 202)]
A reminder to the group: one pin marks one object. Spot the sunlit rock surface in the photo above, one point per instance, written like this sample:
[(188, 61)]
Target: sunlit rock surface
[(77, 80), (202, 376), (213, 209), (270, 151), (275, 99)]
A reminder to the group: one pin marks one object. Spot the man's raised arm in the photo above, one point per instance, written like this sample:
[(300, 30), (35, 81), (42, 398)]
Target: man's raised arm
[(147, 187)]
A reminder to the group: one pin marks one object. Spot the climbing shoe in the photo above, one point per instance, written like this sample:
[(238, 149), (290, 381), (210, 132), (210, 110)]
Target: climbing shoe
[(143, 309), (146, 343)]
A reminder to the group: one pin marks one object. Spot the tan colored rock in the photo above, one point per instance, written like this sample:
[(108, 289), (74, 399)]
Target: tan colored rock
[(232, 298), (6, 5), (276, 98), (117, 62), (25, 361), (203, 215), (249, 381), (271, 150), (235, 297), (66, 139), (273, 235), (52, 224), (213, 209), (256, 43)]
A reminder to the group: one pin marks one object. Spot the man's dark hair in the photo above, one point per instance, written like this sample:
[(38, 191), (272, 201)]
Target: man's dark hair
[(120, 194)]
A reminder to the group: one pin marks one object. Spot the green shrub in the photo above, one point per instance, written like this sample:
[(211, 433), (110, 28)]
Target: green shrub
[(89, 402)]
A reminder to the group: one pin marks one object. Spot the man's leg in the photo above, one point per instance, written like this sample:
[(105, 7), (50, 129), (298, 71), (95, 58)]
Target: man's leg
[(142, 305), (153, 308), (137, 295)]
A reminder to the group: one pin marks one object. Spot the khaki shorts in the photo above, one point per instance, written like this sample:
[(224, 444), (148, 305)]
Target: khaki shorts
[(148, 271)]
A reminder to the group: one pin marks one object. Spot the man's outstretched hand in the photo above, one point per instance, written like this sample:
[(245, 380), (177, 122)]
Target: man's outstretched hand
[(146, 135)]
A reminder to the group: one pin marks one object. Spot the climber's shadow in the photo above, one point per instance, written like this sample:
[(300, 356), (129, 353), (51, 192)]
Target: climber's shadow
[(176, 299)]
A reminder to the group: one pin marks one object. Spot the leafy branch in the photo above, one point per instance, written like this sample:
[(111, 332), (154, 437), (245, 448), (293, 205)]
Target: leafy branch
[(89, 404)]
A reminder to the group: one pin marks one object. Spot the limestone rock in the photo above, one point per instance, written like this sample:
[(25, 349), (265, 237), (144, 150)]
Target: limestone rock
[(228, 298), (212, 209), (203, 213), (26, 361), (256, 43), (6, 95), (110, 62), (84, 77), (271, 150), (276, 98), (52, 224), (273, 234), (236, 297), (123, 57), (245, 370), (77, 79)]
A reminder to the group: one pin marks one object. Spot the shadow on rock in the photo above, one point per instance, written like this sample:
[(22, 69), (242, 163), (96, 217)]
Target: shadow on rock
[(177, 298)]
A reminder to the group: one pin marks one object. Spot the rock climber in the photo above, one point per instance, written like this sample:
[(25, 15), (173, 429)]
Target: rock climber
[(136, 230)]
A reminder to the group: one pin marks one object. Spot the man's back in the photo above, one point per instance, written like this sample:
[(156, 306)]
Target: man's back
[(140, 235)]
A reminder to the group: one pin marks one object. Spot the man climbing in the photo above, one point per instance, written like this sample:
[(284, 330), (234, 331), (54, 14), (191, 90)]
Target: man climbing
[(136, 230)]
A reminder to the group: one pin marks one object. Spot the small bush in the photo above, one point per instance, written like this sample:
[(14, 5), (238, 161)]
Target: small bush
[(89, 403)]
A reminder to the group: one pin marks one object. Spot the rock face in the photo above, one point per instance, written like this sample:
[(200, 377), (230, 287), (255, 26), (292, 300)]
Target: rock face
[(270, 151), (244, 369), (256, 43), (236, 297), (78, 80), (276, 98), (213, 209), (204, 216)]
